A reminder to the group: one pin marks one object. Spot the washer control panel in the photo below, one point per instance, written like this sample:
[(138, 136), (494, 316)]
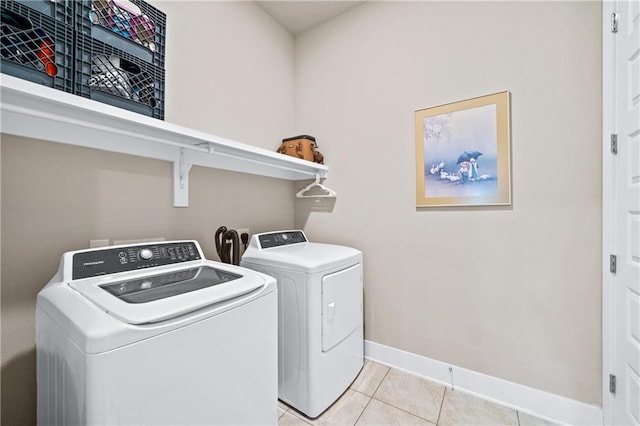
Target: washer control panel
[(277, 239), (120, 259)]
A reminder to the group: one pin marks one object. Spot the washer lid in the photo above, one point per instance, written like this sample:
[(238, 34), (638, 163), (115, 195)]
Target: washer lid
[(148, 298), (305, 257)]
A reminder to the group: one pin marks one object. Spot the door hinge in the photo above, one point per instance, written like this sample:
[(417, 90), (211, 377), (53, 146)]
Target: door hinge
[(614, 143), (614, 22), (612, 383), (613, 260)]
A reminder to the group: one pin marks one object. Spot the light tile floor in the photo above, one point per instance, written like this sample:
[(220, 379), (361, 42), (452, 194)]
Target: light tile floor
[(385, 396)]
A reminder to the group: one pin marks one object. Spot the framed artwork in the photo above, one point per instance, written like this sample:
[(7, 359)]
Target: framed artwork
[(462, 153)]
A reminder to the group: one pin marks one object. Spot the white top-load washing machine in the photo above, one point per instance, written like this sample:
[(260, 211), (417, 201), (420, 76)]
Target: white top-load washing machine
[(156, 334), (320, 317)]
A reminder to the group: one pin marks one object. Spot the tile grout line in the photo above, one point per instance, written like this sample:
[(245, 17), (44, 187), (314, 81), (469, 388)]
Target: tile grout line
[(404, 411), (372, 394), (365, 407), (398, 408), (380, 384), (444, 394)]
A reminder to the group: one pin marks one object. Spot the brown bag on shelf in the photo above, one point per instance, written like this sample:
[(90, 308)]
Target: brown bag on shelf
[(303, 146)]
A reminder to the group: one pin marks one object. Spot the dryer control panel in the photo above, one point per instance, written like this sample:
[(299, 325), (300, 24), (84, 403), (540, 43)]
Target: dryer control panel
[(127, 258), (282, 238)]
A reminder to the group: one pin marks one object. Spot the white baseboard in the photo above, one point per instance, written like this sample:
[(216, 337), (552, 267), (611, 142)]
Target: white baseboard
[(538, 403)]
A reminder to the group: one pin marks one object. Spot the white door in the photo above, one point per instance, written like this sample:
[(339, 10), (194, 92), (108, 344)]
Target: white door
[(622, 312), (341, 305)]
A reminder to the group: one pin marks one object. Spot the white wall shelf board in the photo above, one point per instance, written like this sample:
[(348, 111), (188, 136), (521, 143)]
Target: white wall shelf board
[(39, 112)]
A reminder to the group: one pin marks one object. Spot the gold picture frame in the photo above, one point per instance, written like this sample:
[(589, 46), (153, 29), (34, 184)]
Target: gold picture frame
[(463, 153)]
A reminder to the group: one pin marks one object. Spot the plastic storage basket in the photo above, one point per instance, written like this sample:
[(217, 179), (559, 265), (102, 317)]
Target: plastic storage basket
[(132, 26), (60, 10), (36, 46), (113, 76)]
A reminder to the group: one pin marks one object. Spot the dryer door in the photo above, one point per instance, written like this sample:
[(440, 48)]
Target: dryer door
[(341, 305)]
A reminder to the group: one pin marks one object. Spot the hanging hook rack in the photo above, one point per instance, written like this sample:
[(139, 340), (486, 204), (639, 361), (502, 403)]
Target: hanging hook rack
[(328, 193)]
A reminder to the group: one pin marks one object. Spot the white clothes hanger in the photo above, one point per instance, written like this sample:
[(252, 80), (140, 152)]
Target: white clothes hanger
[(329, 193)]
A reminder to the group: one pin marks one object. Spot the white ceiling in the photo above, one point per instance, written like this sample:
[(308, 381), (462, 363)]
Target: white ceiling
[(300, 16)]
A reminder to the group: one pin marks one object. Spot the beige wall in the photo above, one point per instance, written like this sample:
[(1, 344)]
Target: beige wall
[(56, 197), (510, 292), (231, 71)]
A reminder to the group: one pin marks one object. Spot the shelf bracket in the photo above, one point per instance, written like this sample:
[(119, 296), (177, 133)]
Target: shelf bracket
[(181, 168)]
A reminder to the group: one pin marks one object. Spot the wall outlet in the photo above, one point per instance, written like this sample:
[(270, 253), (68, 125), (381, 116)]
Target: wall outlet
[(98, 243), (240, 232)]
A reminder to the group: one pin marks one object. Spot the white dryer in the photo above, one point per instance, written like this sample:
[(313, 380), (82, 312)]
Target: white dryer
[(156, 334), (320, 317)]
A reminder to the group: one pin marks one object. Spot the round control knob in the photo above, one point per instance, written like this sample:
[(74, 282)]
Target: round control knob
[(145, 254)]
